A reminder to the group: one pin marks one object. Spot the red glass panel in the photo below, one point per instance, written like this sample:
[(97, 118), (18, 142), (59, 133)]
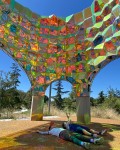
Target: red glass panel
[(102, 53), (41, 80), (19, 55), (71, 40), (49, 61), (80, 67), (73, 68), (44, 31), (97, 7), (53, 32), (109, 46), (44, 21), (117, 1)]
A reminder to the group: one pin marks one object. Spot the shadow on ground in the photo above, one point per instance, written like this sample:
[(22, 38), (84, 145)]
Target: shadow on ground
[(30, 140)]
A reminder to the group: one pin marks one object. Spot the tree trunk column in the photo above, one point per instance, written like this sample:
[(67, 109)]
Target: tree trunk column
[(83, 109), (37, 108)]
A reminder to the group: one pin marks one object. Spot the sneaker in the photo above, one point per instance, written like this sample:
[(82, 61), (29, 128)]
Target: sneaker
[(95, 136), (103, 132), (98, 140), (37, 131), (86, 145)]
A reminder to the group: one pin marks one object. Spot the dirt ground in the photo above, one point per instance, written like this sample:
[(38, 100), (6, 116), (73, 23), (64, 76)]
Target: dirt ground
[(21, 135)]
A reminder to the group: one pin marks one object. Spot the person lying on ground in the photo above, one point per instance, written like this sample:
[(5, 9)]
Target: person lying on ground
[(76, 138), (82, 129)]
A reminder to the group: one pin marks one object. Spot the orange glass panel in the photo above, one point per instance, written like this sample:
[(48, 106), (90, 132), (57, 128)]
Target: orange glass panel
[(98, 18), (63, 31), (49, 61), (34, 47), (7, 1)]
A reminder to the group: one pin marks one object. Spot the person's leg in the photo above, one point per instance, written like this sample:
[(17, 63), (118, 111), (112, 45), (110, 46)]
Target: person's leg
[(79, 142), (94, 131), (82, 137), (88, 131), (84, 127), (98, 132), (66, 135), (85, 132), (87, 139)]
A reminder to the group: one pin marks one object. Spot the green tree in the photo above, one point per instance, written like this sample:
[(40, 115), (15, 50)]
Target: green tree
[(113, 99), (27, 99), (4, 85), (58, 98), (13, 99), (1, 88), (92, 101), (46, 99), (101, 97), (69, 104), (14, 76), (10, 97)]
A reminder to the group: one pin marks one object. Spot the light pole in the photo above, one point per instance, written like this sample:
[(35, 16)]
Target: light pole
[(49, 100)]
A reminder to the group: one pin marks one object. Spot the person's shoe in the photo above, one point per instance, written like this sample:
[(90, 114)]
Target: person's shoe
[(103, 132), (86, 145), (37, 131), (95, 136), (98, 140)]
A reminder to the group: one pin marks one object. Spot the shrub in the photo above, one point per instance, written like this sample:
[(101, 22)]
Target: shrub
[(102, 112)]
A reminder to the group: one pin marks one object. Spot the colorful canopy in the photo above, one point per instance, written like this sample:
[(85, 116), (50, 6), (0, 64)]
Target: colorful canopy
[(51, 48)]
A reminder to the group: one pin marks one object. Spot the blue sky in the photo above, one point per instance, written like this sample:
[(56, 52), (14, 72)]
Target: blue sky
[(106, 78), (61, 8)]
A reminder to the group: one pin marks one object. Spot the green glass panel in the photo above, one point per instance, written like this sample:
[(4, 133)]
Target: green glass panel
[(68, 18)]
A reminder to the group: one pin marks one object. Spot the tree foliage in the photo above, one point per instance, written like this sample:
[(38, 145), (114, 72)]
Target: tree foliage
[(14, 76), (60, 91), (46, 99), (10, 97), (113, 99), (110, 100), (69, 104), (101, 97)]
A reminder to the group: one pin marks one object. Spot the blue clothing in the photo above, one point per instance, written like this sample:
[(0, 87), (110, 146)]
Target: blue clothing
[(78, 128)]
